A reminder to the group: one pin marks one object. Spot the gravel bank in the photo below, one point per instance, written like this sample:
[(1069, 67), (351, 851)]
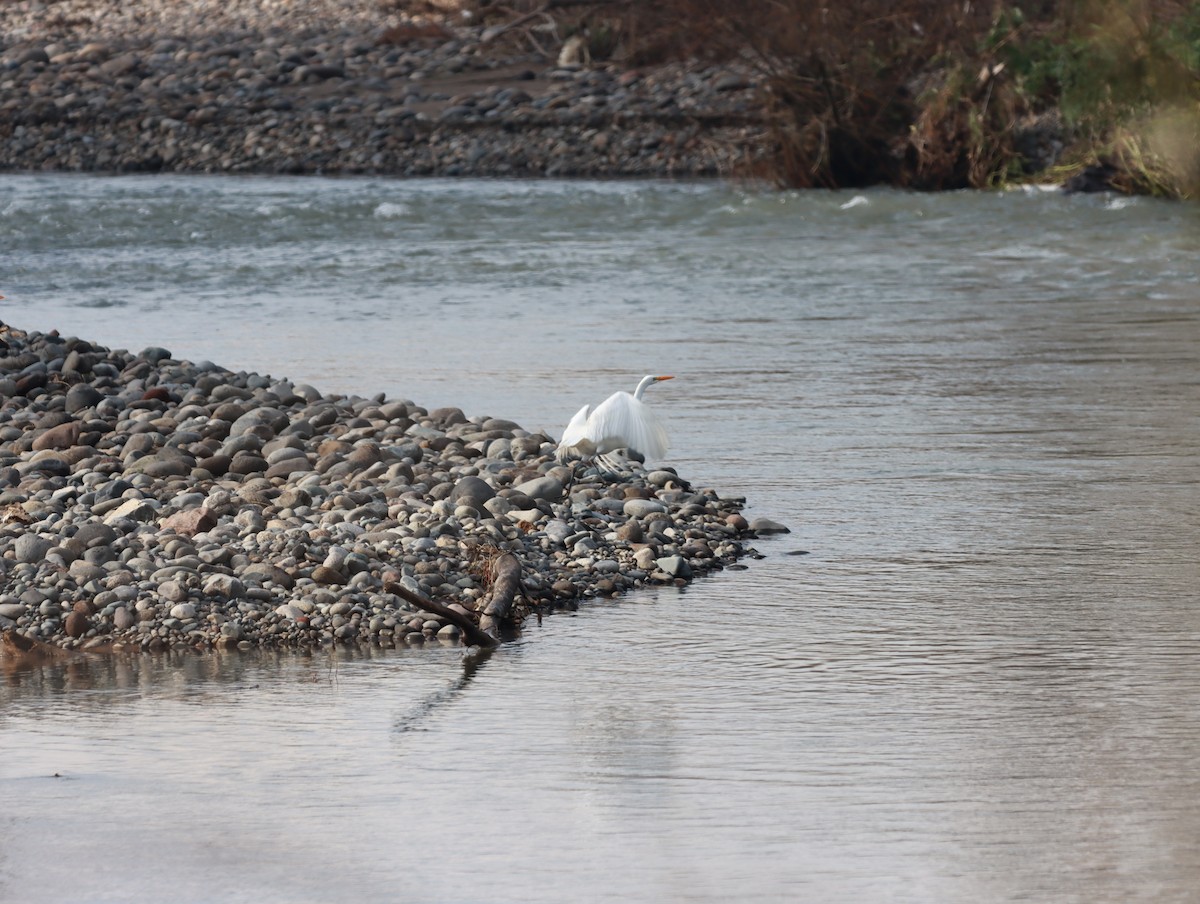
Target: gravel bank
[(152, 503), (333, 87)]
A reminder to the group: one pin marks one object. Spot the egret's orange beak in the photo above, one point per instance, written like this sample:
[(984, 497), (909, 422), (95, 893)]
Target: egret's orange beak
[(664, 378)]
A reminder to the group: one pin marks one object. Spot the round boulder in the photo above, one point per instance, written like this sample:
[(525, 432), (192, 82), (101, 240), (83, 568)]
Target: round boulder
[(31, 548), (546, 488), (473, 491)]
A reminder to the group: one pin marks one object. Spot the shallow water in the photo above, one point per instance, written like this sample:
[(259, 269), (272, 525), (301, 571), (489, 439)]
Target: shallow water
[(978, 412)]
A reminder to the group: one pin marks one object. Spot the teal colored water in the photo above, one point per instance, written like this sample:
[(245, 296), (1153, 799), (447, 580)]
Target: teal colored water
[(979, 414)]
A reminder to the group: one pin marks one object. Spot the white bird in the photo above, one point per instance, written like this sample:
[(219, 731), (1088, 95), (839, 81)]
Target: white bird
[(622, 421)]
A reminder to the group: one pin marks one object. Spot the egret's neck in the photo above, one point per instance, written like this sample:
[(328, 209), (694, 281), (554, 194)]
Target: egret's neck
[(646, 381)]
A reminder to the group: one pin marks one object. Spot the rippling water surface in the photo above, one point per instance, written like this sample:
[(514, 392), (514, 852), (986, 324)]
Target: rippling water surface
[(970, 673)]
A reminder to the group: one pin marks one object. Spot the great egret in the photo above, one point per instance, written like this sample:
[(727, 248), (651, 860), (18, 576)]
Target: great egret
[(622, 421)]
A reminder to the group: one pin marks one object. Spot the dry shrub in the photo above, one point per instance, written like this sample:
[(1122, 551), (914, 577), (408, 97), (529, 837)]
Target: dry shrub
[(857, 93), (1126, 76), (482, 563), (1172, 137), (937, 95), (963, 134), (934, 95), (1158, 154)]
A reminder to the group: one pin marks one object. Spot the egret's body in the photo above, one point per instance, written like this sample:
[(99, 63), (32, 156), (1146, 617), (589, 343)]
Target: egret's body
[(622, 421)]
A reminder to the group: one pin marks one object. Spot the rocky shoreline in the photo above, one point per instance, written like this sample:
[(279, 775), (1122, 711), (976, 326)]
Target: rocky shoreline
[(151, 503), (326, 87)]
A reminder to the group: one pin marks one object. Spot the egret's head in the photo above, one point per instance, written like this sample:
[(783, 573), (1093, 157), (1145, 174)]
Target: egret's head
[(646, 382)]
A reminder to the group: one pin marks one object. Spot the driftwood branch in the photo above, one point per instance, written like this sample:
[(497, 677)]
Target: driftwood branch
[(506, 581), (470, 630)]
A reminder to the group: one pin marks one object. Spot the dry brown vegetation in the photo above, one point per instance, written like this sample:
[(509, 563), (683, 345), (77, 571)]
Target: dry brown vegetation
[(935, 95)]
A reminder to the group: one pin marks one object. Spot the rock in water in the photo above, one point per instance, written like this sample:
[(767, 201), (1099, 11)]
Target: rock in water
[(767, 526)]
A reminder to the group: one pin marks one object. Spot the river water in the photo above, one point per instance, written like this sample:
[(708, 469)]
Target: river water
[(968, 674)]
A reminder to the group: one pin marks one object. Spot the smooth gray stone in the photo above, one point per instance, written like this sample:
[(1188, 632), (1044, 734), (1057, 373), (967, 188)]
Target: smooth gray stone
[(473, 491), (640, 508), (283, 453), (31, 548), (95, 533), (224, 585), (584, 547), (612, 506), (675, 566), (173, 591), (558, 530), (133, 510), (268, 417), (82, 396), (545, 488), (232, 630)]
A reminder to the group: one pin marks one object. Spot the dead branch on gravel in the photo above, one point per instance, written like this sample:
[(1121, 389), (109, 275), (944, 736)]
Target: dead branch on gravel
[(501, 574), (471, 631)]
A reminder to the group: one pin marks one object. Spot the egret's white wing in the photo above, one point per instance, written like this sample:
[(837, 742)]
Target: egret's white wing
[(575, 432), (623, 422)]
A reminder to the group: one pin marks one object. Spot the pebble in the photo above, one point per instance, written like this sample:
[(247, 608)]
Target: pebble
[(172, 591), (631, 532), (110, 552), (224, 586), (644, 558), (675, 566), (76, 624)]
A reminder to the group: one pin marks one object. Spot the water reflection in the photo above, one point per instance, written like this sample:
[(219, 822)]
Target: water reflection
[(414, 717), (172, 675)]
